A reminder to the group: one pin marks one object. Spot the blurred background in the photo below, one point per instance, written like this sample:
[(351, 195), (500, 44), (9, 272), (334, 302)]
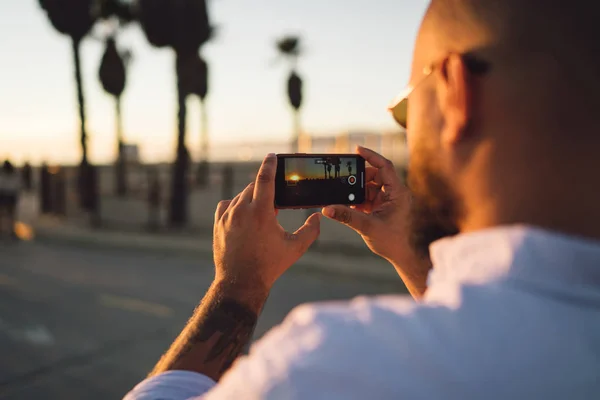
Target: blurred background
[(124, 123)]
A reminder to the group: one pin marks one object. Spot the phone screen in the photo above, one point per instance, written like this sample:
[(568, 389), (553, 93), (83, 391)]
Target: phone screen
[(314, 180)]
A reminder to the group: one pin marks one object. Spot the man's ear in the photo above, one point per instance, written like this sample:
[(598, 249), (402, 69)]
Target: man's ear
[(454, 96)]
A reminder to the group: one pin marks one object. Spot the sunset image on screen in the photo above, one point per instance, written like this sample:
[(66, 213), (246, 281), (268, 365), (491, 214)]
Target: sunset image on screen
[(322, 179)]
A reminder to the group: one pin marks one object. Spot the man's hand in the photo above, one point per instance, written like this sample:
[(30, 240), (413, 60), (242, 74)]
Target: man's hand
[(251, 251), (382, 221), (250, 247)]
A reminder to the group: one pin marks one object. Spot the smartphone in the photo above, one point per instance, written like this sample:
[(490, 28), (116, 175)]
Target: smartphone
[(317, 180)]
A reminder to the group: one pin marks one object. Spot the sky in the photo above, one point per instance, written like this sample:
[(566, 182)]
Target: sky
[(357, 58)]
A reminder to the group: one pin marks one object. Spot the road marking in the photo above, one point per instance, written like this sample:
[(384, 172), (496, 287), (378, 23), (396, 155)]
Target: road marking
[(135, 305), (35, 334)]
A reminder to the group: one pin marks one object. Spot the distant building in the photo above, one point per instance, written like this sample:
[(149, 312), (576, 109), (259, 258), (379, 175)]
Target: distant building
[(390, 144)]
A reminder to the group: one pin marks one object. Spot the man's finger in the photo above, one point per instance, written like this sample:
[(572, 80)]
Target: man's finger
[(365, 207), (307, 234), (234, 201), (355, 219), (247, 194), (372, 190), (370, 174), (387, 172), (221, 208), (264, 190)]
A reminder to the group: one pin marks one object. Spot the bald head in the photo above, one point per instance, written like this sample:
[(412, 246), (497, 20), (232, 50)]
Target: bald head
[(559, 35), (516, 143)]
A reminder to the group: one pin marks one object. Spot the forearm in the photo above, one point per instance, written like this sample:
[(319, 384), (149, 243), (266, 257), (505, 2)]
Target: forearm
[(218, 331), (413, 271)]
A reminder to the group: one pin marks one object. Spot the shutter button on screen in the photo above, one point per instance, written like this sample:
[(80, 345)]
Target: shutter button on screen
[(351, 197)]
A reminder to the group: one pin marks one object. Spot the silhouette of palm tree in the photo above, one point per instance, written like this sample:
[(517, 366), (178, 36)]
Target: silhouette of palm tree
[(112, 74), (75, 18), (337, 163), (113, 78), (349, 165), (200, 88), (289, 47), (184, 26)]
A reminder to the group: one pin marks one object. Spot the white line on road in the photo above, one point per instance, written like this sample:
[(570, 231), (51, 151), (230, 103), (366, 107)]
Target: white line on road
[(135, 305), (35, 334)]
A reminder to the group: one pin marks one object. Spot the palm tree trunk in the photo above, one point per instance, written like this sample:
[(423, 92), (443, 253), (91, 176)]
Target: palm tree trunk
[(203, 167), (85, 191), (120, 165), (297, 132), (179, 189), (203, 132), (83, 135)]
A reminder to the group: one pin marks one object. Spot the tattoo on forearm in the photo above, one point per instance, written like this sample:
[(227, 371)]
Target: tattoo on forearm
[(235, 325), (213, 339)]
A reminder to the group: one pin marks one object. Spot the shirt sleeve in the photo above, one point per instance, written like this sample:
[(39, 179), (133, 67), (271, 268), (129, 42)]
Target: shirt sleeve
[(318, 352), (172, 385)]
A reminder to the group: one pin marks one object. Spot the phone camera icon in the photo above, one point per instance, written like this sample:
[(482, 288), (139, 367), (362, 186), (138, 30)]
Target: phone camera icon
[(351, 197), (352, 180)]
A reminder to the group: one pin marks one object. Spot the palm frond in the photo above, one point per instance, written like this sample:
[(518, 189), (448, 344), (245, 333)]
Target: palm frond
[(289, 46)]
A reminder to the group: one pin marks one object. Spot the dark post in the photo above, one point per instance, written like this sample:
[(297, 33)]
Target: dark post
[(154, 197), (45, 190), (27, 177), (60, 195), (227, 188), (202, 179), (92, 185)]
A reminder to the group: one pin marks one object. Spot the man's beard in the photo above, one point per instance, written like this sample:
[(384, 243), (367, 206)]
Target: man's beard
[(434, 208)]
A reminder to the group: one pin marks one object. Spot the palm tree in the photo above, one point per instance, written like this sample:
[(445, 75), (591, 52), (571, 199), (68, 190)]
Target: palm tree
[(182, 25), (75, 19), (115, 14), (349, 165), (113, 79), (200, 88), (289, 47)]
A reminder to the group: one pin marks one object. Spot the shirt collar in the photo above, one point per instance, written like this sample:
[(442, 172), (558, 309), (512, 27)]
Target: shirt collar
[(518, 251)]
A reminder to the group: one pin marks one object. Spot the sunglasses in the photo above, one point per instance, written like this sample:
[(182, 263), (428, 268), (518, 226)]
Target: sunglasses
[(399, 106)]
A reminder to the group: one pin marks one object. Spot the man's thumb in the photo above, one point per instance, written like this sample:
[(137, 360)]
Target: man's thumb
[(308, 233), (355, 219)]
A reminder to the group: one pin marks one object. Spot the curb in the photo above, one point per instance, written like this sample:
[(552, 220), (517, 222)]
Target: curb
[(340, 265)]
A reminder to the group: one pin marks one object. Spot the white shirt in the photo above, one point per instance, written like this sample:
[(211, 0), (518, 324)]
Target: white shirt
[(510, 313)]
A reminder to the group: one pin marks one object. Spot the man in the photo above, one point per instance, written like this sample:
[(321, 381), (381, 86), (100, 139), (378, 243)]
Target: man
[(503, 139)]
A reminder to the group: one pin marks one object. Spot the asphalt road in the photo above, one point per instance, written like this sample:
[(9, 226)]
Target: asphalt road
[(89, 323)]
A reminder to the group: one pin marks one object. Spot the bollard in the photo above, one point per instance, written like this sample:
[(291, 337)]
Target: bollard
[(202, 176), (154, 192), (227, 188), (45, 190), (93, 196), (60, 193), (27, 177)]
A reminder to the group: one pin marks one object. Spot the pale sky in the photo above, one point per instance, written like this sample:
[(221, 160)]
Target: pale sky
[(357, 58)]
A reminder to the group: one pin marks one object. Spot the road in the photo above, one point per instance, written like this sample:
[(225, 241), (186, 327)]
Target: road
[(91, 322)]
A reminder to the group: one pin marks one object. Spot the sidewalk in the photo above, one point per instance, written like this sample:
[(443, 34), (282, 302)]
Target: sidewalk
[(342, 263)]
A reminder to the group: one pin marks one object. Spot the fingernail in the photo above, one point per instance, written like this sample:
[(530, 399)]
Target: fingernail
[(270, 155), (329, 212)]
